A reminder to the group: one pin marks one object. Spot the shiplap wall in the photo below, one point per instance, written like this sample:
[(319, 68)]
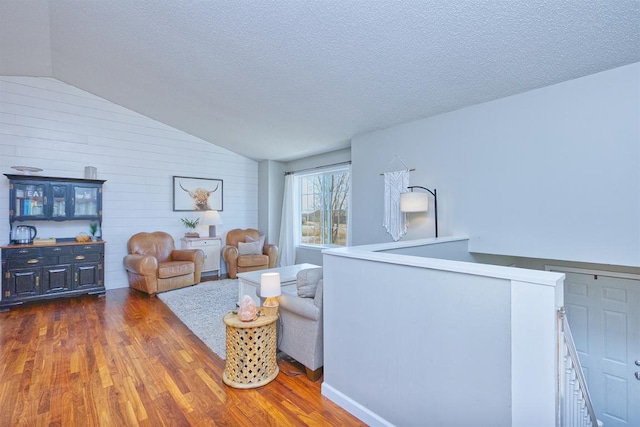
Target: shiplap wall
[(48, 124)]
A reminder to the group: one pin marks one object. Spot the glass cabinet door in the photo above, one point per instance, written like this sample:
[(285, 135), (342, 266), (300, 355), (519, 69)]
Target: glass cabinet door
[(86, 201), (29, 200), (59, 200)]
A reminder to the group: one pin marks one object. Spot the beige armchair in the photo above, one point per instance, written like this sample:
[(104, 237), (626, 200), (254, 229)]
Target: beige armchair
[(240, 258), (154, 265), (301, 319)]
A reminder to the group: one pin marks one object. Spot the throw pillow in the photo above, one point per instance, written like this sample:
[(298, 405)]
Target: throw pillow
[(252, 248), (260, 239), (307, 282)]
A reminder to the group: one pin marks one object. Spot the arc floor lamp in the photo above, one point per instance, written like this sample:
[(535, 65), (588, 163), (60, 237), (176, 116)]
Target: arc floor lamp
[(419, 202)]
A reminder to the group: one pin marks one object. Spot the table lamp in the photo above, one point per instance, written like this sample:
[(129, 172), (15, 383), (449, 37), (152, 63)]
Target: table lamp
[(269, 289), (212, 218)]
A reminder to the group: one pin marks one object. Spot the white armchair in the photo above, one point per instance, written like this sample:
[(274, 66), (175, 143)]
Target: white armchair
[(301, 320)]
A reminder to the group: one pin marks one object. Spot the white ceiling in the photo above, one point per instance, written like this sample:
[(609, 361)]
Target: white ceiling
[(280, 80)]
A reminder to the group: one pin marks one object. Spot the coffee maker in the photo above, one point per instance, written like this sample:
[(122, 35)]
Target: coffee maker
[(23, 234)]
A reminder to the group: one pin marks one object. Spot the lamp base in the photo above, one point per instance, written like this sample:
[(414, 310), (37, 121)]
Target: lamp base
[(270, 307), (212, 231)]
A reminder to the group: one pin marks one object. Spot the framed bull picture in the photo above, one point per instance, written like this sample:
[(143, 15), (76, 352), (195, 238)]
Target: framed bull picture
[(197, 194)]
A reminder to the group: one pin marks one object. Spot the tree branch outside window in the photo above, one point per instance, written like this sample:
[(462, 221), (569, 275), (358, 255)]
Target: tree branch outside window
[(324, 208)]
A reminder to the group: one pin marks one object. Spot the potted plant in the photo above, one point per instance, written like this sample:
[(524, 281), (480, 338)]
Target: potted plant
[(190, 224), (93, 229)]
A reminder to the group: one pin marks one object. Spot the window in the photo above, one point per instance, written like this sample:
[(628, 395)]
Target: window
[(324, 207)]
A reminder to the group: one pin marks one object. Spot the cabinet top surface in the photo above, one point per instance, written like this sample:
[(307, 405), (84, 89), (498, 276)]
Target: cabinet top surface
[(52, 178), (195, 239), (59, 242)]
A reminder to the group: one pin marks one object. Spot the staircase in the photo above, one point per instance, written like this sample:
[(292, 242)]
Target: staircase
[(574, 404)]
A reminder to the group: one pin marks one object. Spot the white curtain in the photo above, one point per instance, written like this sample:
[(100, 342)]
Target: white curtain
[(395, 222), (287, 242)]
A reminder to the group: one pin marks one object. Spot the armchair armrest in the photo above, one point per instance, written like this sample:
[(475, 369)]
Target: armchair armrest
[(272, 252), (194, 255), (187, 255), (230, 256), (230, 253), (304, 307), (144, 265)]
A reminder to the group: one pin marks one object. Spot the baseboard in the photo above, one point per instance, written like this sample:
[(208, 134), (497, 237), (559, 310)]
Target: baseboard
[(353, 407), (211, 277)]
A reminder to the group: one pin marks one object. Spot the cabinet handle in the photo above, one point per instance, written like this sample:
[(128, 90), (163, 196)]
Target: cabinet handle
[(24, 251), (80, 257), (76, 278), (37, 281), (33, 261), (45, 200)]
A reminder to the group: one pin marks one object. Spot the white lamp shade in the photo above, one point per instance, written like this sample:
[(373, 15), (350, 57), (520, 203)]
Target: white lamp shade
[(269, 285), (414, 202), (212, 218)]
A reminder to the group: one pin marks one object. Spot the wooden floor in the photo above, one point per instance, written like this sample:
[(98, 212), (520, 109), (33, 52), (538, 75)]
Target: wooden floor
[(127, 360)]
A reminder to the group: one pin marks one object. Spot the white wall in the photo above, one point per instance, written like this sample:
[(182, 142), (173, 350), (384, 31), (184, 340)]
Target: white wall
[(551, 173), (48, 124)]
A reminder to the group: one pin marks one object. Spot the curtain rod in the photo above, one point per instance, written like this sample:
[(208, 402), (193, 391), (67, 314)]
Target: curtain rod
[(318, 167)]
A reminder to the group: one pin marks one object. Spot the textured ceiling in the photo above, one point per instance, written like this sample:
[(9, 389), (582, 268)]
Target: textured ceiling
[(285, 79)]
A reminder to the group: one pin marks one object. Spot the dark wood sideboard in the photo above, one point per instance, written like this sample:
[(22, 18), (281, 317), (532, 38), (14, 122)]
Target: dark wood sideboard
[(68, 268)]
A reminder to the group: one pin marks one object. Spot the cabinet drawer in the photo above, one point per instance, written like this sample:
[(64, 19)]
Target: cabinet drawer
[(25, 252), (30, 262), (81, 249), (56, 251), (204, 243), (83, 257)]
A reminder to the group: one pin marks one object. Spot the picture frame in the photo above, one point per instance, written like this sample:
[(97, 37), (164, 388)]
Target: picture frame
[(197, 194)]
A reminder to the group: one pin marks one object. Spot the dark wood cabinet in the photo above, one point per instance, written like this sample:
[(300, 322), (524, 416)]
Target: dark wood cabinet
[(64, 269)]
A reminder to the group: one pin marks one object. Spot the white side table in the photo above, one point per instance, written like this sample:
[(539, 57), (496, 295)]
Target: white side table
[(211, 248)]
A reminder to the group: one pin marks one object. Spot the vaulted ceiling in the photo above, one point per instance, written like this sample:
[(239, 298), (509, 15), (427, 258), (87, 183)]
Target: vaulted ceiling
[(284, 79)]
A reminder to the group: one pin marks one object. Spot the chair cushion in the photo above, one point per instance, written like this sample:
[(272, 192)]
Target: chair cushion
[(237, 235), (252, 248), (307, 282), (251, 239), (252, 260), (175, 268)]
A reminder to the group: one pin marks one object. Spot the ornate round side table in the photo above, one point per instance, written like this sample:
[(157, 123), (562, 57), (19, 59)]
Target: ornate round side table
[(251, 351)]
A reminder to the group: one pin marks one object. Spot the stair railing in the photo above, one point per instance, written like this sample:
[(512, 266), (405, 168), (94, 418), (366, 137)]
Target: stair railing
[(574, 406)]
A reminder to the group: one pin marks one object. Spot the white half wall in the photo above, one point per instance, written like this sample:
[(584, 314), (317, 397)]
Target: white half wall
[(54, 126), (553, 173), (413, 333), (416, 347)]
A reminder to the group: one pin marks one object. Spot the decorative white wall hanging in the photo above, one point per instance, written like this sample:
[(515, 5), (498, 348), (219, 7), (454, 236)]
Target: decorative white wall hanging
[(395, 183)]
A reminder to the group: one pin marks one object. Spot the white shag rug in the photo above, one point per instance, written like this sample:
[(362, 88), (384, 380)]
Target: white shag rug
[(202, 307)]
